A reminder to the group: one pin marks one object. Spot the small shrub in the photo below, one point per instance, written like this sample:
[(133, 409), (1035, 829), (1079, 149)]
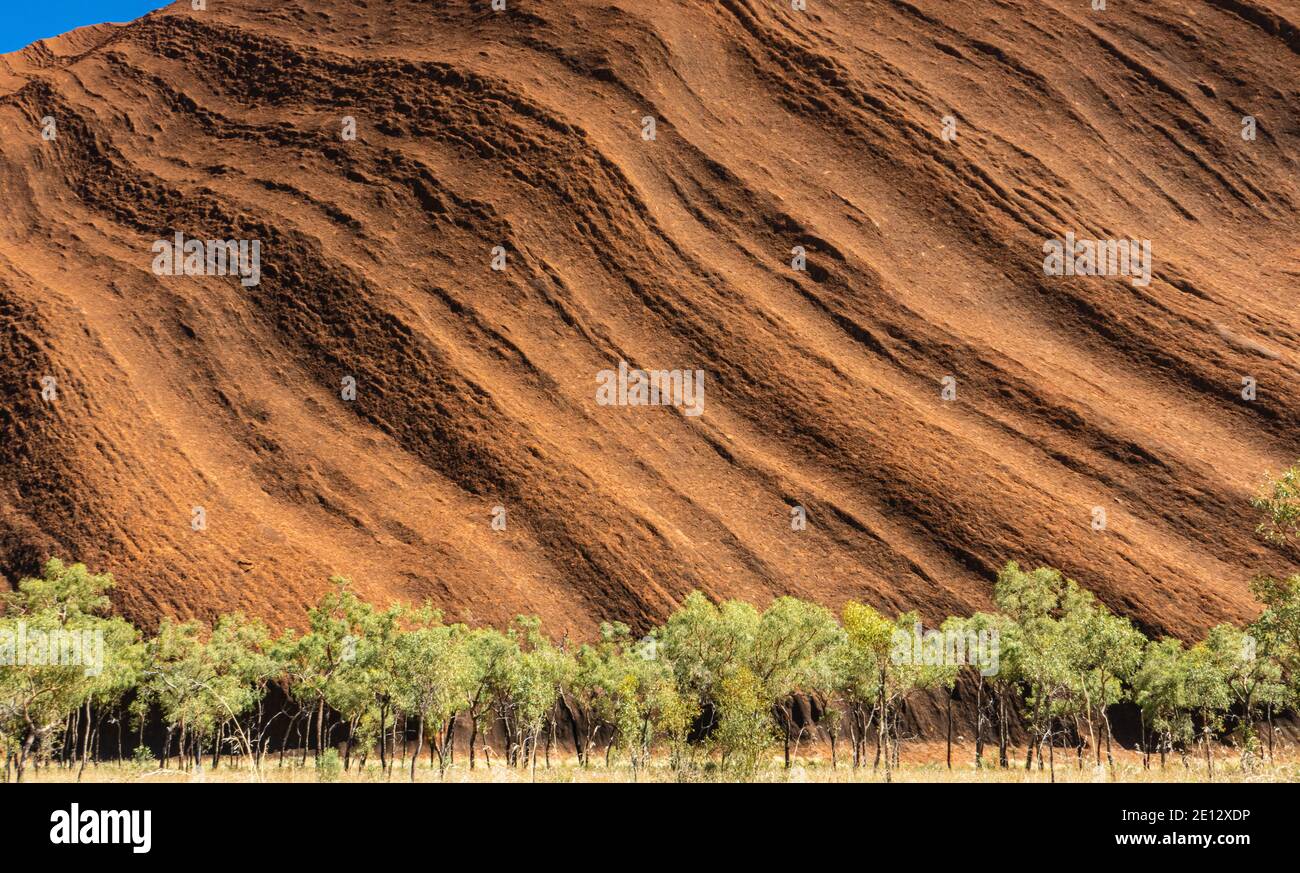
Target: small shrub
[(329, 767)]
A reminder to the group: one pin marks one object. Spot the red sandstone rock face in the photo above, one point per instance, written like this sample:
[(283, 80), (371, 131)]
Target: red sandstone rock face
[(475, 388)]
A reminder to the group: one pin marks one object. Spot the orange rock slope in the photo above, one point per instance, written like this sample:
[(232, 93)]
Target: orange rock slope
[(475, 388)]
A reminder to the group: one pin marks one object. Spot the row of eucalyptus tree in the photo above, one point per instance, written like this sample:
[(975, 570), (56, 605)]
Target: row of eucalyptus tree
[(717, 686)]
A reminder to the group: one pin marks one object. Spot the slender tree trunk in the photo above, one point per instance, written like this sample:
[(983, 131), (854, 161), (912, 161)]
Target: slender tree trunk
[(71, 737), (347, 748), (950, 693), (1146, 747), (419, 743), (28, 742), (1269, 717), (786, 732), (406, 728), (1003, 761), (880, 722), (320, 727), (85, 744), (886, 722), (1105, 723), (284, 741), (853, 732), (1035, 738), (1051, 751), (448, 754), (581, 742), (1092, 736), (1209, 757)]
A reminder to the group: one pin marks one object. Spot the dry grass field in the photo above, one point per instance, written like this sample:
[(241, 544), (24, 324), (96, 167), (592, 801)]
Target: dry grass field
[(924, 764)]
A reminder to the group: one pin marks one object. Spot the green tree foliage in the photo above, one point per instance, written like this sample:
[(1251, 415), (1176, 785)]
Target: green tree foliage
[(434, 680), (705, 643), (718, 681), (1208, 695), (207, 684), (243, 651), (744, 729), (1279, 627), (878, 668), (322, 665), (1279, 504), (1036, 602), (788, 655), (1103, 652), (1160, 690), (1252, 676), (59, 655), (492, 655)]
